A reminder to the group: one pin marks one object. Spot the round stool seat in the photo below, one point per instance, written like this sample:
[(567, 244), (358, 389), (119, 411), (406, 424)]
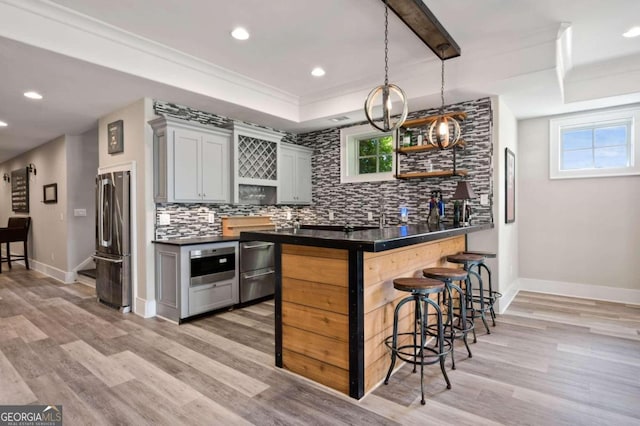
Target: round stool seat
[(454, 274), (421, 285), (465, 258), (487, 254)]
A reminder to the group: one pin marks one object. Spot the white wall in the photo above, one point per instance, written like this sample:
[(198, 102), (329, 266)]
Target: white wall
[(580, 231), (138, 149), (503, 238), (82, 165), (48, 235)]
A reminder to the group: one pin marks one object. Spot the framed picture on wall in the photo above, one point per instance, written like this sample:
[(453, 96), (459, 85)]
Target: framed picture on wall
[(50, 193), (510, 186), (115, 137)]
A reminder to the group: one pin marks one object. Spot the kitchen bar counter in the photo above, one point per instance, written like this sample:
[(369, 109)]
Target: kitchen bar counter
[(334, 296), (373, 240)]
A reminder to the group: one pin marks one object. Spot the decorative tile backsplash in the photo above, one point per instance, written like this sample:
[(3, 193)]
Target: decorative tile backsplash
[(351, 202)]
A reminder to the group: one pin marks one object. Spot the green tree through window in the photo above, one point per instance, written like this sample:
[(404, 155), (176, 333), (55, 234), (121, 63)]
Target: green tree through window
[(375, 155)]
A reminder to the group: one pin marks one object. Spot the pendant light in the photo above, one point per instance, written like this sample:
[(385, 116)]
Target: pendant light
[(386, 90), (444, 132)]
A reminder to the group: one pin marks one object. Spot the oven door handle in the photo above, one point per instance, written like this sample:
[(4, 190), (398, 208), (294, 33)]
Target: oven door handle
[(257, 246), (248, 277)]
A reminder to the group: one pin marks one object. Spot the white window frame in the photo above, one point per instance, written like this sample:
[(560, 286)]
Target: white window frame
[(349, 154), (592, 119)]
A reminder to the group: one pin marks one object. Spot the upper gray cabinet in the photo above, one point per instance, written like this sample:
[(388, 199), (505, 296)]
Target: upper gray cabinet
[(255, 164), (294, 169), (191, 162)]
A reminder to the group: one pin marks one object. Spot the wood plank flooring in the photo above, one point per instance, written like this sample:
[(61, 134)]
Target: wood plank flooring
[(550, 361)]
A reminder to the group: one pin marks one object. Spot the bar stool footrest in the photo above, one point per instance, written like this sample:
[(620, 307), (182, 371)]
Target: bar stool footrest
[(406, 352)]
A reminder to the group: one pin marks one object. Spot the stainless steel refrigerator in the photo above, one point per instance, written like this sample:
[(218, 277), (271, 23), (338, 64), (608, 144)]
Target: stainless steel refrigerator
[(113, 256)]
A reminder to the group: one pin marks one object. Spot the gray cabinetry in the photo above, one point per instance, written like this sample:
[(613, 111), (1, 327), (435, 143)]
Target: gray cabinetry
[(191, 162), (178, 296), (294, 170)]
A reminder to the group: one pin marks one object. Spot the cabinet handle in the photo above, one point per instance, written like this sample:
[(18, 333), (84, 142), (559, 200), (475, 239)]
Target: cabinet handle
[(204, 195)]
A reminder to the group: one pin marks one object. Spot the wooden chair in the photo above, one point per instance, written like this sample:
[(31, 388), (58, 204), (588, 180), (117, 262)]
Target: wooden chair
[(17, 230)]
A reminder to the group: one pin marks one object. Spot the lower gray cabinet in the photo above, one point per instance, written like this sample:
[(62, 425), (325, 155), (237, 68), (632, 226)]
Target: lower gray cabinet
[(178, 296)]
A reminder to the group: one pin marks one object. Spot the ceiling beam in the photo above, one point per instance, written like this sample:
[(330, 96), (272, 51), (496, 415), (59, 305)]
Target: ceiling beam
[(417, 16)]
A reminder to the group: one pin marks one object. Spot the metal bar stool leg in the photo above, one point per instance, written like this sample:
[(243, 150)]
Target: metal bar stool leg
[(481, 298), (463, 315)]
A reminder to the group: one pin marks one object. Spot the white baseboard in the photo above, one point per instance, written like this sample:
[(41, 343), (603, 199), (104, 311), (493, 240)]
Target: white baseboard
[(508, 296), (66, 277), (144, 308), (583, 291)]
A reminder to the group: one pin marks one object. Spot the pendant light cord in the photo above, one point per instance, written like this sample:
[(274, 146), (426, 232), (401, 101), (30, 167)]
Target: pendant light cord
[(386, 44), (442, 86)]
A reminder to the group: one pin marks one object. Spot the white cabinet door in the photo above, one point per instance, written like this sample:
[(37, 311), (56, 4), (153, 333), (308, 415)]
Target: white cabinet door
[(186, 155), (303, 177), (215, 168), (286, 175)]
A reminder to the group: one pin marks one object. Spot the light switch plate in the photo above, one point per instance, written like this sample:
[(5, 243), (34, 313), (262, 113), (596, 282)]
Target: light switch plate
[(289, 215), (164, 219), (369, 216), (79, 212), (212, 217), (330, 215), (484, 199)]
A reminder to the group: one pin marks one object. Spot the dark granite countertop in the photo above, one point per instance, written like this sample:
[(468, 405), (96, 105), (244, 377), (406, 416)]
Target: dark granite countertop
[(367, 240), (194, 241)]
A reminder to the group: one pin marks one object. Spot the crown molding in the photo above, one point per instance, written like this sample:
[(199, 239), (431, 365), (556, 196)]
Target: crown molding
[(53, 27)]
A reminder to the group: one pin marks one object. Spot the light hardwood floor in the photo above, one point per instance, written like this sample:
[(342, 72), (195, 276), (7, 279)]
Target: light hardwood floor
[(550, 361)]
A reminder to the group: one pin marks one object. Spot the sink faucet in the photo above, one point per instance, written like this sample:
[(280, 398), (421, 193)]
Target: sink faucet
[(383, 220)]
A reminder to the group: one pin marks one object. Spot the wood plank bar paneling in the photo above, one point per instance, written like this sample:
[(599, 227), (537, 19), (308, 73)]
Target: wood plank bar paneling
[(316, 295), (318, 371), (380, 298)]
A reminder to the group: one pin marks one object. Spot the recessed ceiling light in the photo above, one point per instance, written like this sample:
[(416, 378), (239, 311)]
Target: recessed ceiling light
[(317, 72), (240, 33), (633, 32), (32, 95), (3, 124)]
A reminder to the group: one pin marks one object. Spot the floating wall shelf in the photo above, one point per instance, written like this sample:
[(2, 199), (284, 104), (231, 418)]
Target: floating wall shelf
[(421, 148), (458, 115), (438, 173)]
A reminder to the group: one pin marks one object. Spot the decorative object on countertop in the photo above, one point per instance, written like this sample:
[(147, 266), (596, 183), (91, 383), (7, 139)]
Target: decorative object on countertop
[(386, 90), (115, 137), (464, 192), (445, 131), (404, 215), (510, 186), (233, 225)]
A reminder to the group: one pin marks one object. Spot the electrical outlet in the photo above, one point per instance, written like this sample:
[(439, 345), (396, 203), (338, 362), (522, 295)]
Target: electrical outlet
[(369, 216), (331, 217), (288, 215), (164, 219), (61, 217), (212, 217), (79, 212), (484, 199)]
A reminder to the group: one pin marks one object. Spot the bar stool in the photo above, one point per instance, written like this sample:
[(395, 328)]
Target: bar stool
[(414, 353), (492, 295), (469, 261), (447, 276)]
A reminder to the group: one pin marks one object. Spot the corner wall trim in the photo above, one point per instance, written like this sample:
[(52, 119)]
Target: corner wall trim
[(508, 296), (582, 291), (144, 308)]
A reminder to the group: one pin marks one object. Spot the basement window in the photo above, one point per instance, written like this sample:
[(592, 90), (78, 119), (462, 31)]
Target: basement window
[(595, 145), (366, 155)]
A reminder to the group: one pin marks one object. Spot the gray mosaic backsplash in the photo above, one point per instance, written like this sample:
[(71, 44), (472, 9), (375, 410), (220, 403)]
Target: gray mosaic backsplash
[(350, 202)]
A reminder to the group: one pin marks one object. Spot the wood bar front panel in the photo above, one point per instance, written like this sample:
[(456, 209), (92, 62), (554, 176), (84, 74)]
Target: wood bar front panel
[(315, 316), (380, 298)]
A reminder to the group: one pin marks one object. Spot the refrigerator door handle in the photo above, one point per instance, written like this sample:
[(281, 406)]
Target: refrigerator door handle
[(106, 259), (104, 183)]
